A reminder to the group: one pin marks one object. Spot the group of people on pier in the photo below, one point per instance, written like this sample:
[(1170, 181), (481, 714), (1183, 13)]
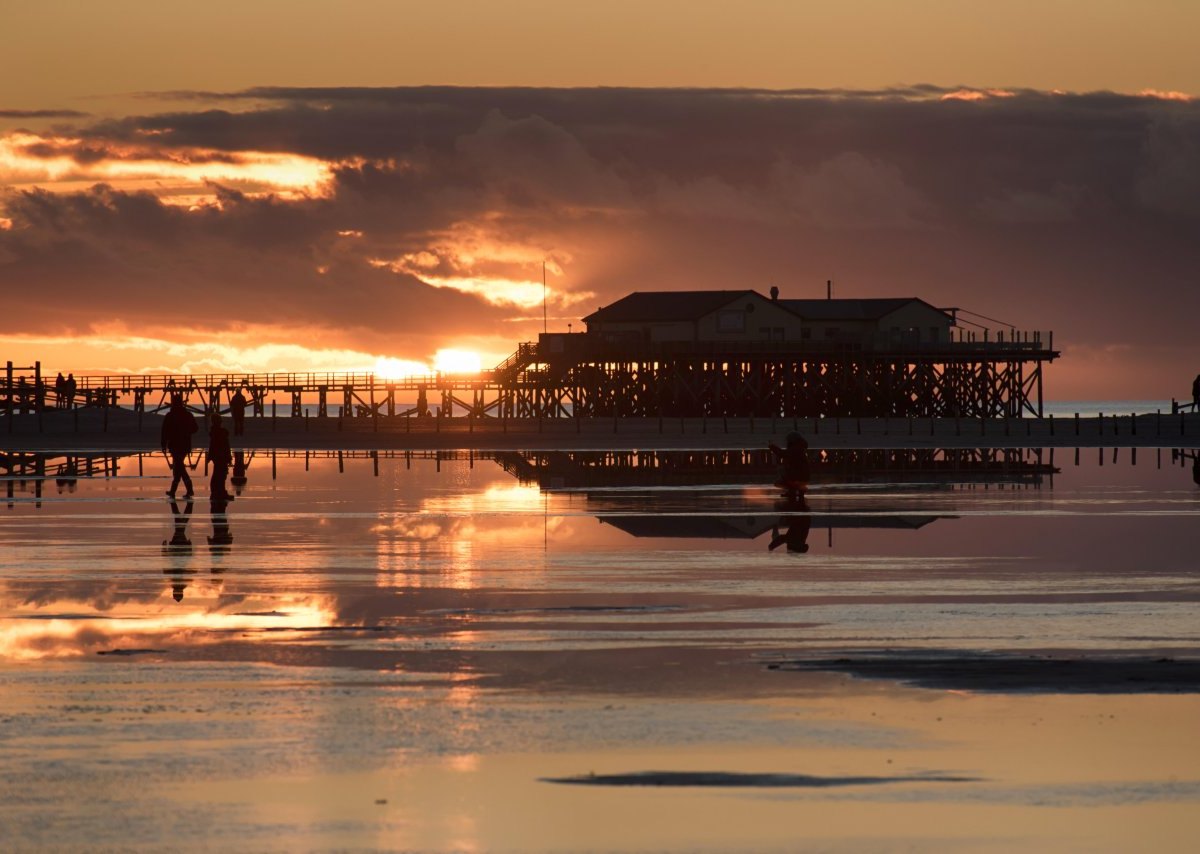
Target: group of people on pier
[(64, 391)]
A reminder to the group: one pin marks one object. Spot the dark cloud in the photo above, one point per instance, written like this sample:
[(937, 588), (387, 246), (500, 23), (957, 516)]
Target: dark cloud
[(42, 114), (1077, 212)]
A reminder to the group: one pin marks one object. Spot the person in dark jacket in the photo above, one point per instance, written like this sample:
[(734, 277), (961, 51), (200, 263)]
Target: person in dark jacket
[(237, 409), (177, 429), (220, 455), (794, 470)]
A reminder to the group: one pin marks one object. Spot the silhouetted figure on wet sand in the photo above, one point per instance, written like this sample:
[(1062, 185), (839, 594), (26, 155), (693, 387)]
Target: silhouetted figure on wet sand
[(794, 470), (238, 477), (237, 410), (796, 526), (220, 456), (177, 429), (179, 547)]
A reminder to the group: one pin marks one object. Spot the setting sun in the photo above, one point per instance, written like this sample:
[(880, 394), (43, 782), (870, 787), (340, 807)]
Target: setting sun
[(452, 361), (397, 369)]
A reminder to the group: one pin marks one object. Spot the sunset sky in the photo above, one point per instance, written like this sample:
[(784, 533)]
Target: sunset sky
[(302, 185)]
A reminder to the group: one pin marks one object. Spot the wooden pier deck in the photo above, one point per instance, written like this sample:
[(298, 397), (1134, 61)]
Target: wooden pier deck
[(571, 375)]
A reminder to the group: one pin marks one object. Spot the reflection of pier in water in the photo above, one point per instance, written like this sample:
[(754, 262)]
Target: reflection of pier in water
[(626, 489), (30, 469), (582, 470)]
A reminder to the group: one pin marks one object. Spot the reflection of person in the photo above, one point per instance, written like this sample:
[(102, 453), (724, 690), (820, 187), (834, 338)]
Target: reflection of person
[(237, 409), (238, 478), (179, 541), (180, 548), (797, 525), (68, 477), (222, 537), (220, 456), (177, 429), (793, 464)]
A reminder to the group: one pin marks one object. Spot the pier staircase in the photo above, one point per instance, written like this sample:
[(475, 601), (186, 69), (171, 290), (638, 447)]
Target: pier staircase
[(511, 368)]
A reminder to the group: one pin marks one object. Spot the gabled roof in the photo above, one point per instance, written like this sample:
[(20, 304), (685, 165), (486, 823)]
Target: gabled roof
[(657, 306), (849, 309)]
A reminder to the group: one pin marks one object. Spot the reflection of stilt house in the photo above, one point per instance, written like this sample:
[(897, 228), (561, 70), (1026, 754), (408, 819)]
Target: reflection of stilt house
[(738, 353)]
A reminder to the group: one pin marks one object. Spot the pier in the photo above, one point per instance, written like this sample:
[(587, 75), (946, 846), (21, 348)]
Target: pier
[(573, 375)]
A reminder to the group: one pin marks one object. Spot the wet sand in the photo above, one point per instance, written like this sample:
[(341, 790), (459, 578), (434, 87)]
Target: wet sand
[(1010, 674), (436, 655)]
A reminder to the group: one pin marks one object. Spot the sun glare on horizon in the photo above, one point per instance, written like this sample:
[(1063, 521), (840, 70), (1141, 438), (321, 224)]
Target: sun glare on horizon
[(445, 361), (452, 361)]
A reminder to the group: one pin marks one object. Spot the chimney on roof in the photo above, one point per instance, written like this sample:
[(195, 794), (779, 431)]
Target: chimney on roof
[(829, 289), (774, 293)]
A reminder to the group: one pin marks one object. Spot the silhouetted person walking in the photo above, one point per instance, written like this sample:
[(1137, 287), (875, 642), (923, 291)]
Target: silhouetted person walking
[(177, 429), (219, 456), (237, 409), (793, 463)]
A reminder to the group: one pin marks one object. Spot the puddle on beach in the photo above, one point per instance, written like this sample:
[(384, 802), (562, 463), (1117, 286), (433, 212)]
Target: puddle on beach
[(405, 651)]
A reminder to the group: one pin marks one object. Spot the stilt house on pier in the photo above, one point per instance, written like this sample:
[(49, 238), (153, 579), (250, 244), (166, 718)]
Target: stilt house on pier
[(739, 353), (742, 316)]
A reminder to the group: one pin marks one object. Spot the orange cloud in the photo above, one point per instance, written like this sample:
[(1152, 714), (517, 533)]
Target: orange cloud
[(68, 163), (977, 94), (1165, 96)]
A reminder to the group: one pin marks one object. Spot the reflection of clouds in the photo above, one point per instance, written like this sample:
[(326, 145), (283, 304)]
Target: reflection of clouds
[(499, 512), (76, 627), (492, 499), (452, 534), (417, 526)]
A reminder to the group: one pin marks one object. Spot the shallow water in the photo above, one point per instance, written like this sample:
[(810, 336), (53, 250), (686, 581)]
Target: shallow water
[(446, 633)]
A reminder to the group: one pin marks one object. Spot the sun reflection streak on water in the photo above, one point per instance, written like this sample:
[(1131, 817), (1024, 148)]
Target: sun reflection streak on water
[(37, 633)]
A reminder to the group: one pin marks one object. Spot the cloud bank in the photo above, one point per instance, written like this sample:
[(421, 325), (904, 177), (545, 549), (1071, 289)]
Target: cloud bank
[(400, 221)]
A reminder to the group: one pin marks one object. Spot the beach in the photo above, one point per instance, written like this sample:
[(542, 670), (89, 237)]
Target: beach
[(544, 650)]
